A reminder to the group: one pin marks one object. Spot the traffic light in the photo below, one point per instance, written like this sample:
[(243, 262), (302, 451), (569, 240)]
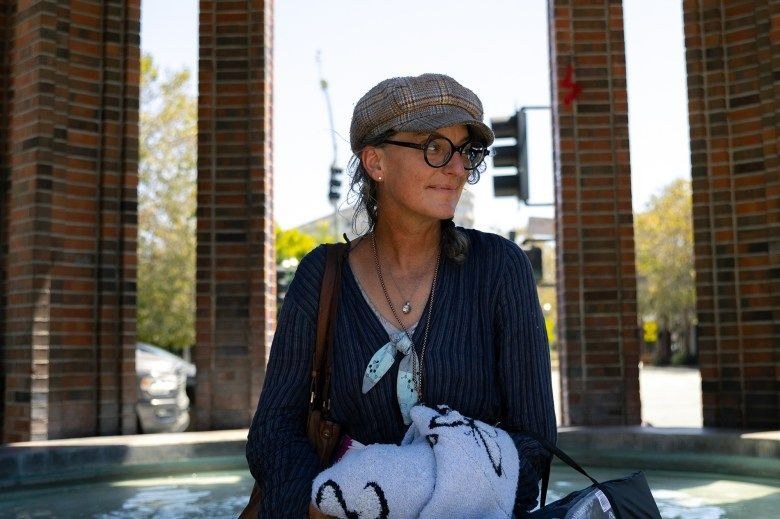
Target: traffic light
[(511, 156), (334, 192), (534, 254)]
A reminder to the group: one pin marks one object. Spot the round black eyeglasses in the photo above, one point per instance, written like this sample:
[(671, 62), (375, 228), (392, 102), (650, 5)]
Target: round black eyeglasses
[(438, 151)]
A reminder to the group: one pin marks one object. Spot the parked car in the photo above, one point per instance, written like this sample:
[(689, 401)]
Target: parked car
[(163, 379)]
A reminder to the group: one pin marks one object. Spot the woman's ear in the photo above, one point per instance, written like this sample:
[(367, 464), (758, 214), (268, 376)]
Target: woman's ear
[(371, 158)]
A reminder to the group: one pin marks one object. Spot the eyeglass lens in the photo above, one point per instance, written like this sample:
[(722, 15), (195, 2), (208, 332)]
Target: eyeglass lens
[(439, 150)]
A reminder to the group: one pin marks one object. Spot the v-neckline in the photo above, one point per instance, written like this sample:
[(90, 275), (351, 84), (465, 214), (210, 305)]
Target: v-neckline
[(367, 305)]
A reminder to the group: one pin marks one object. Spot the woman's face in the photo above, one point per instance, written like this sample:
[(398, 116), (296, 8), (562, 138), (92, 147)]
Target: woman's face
[(409, 187)]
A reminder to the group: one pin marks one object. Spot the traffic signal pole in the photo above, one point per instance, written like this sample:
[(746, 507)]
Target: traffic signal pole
[(507, 155), (334, 190)]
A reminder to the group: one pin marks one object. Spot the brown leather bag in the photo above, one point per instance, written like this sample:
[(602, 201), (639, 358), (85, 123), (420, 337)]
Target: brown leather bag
[(323, 433)]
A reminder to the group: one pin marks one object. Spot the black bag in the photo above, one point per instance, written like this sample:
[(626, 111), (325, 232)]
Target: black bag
[(623, 498)]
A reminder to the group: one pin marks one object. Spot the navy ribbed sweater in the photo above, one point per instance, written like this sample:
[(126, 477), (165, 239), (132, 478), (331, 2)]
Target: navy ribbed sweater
[(487, 357)]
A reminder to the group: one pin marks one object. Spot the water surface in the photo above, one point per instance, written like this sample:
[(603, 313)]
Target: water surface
[(223, 494)]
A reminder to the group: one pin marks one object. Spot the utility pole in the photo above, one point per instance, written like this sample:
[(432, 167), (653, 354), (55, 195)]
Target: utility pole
[(334, 191)]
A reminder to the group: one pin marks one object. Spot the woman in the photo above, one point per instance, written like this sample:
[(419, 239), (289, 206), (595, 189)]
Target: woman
[(453, 312)]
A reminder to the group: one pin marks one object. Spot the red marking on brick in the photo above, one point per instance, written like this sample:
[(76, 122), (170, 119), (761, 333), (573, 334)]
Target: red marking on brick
[(567, 83)]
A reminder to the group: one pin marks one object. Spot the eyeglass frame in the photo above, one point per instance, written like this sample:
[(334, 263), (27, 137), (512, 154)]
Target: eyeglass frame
[(424, 146)]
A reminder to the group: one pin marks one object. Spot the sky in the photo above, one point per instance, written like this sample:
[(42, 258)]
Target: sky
[(497, 48)]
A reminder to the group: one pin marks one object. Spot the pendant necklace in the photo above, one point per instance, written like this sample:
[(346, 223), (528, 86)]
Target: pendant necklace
[(416, 365), (407, 306)]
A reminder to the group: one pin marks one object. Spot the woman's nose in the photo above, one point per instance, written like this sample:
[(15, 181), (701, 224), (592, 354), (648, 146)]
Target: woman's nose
[(455, 165)]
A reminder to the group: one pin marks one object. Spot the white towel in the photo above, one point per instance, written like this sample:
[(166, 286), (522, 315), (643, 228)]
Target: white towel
[(377, 481), (477, 466), (446, 466)]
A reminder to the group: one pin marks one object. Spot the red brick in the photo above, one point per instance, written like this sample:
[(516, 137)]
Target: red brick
[(587, 230), (240, 103), (729, 232), (52, 213)]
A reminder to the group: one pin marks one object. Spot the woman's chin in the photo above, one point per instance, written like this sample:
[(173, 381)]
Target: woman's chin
[(445, 209), (445, 214)]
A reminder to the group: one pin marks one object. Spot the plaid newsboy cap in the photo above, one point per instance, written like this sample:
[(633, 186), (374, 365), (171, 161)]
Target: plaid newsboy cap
[(416, 104)]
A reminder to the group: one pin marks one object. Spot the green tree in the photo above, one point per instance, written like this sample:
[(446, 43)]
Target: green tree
[(167, 173), (292, 244), (664, 260)]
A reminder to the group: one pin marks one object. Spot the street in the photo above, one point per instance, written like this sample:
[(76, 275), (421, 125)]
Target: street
[(671, 396)]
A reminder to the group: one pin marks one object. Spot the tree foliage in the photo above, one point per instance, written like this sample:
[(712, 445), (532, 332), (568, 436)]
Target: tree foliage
[(664, 258), (292, 244), (167, 173)]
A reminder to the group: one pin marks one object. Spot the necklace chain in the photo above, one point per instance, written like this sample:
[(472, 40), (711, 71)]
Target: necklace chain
[(416, 365), (407, 306)]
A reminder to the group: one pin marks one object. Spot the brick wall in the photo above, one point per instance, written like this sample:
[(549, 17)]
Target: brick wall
[(235, 260), (733, 58), (68, 343), (598, 336), (6, 8)]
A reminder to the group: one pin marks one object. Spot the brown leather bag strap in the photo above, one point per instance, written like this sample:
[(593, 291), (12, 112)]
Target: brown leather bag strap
[(329, 294), (321, 365)]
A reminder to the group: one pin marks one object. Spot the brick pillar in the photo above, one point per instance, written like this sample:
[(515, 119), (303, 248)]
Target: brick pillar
[(71, 156), (6, 9), (235, 260), (733, 55), (598, 336)]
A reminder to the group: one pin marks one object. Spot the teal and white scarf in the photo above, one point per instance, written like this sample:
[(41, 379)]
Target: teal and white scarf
[(382, 361)]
